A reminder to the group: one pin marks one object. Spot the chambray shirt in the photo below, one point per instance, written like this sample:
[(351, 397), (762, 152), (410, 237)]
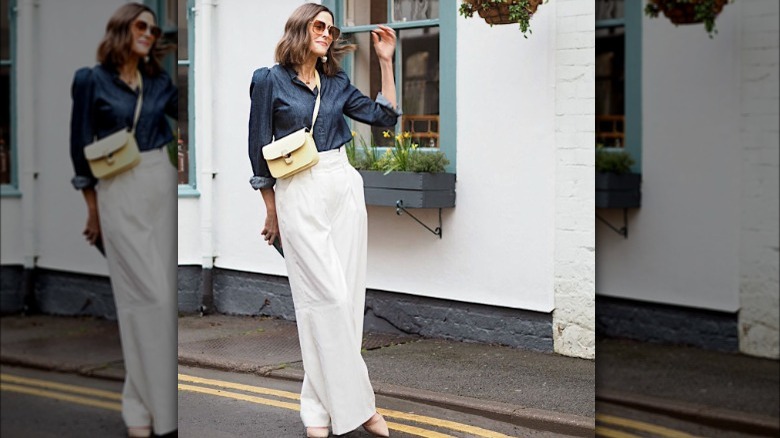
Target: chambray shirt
[(104, 104), (283, 104)]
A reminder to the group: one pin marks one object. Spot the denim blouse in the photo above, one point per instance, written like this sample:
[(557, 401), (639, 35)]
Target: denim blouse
[(283, 104), (104, 104)]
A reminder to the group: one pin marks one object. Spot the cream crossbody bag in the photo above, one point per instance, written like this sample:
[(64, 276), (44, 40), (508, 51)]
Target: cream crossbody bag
[(118, 152), (294, 152)]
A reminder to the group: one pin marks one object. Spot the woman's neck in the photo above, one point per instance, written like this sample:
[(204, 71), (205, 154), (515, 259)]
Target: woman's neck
[(306, 70), (127, 72)]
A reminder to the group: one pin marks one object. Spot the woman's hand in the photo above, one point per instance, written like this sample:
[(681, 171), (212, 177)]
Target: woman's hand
[(384, 42), (92, 229), (271, 228)]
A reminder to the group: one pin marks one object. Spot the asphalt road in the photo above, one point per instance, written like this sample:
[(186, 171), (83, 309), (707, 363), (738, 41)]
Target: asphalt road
[(212, 404), (621, 422)]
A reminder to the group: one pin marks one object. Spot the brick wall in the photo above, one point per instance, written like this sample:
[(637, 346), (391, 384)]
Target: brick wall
[(758, 317), (573, 318)]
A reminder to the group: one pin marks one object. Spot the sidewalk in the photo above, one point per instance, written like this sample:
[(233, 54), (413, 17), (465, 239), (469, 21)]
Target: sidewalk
[(536, 390)]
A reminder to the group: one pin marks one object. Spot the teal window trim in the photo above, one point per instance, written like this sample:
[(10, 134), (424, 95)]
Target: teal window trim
[(447, 76), (634, 14), (612, 22), (12, 190), (190, 189)]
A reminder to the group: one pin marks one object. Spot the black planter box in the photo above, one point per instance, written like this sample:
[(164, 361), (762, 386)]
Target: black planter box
[(618, 191), (415, 190)]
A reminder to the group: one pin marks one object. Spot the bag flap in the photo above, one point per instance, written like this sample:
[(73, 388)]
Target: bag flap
[(106, 145), (285, 145)]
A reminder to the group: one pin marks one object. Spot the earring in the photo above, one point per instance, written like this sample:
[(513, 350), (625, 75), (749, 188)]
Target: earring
[(324, 58)]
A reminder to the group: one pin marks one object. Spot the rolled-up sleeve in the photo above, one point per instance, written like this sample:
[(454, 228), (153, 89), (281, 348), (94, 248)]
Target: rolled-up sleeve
[(260, 127), (360, 107), (81, 129)]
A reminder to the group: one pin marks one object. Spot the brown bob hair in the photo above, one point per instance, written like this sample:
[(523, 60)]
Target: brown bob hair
[(293, 48), (114, 49)]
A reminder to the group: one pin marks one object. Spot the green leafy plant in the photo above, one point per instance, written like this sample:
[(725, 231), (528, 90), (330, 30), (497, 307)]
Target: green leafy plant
[(613, 160), (688, 11), (404, 156), (502, 12)]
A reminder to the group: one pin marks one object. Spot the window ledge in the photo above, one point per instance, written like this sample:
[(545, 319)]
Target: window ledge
[(188, 191), (9, 191)]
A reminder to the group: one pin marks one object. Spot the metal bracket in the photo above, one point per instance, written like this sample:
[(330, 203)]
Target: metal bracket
[(623, 231), (399, 207)]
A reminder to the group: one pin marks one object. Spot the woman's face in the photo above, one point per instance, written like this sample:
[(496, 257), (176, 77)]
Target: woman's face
[(144, 32), (321, 37)]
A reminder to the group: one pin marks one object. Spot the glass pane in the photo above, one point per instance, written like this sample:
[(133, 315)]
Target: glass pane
[(415, 10), (362, 12), (183, 45), (609, 9), (5, 95), (171, 8), (5, 33), (366, 77), (182, 133), (420, 84), (610, 86)]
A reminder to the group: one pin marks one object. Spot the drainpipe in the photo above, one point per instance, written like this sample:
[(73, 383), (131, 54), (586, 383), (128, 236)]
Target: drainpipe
[(203, 17), (26, 98)]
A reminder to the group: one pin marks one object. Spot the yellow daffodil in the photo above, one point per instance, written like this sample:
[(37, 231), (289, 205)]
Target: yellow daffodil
[(407, 134), (354, 133), (386, 134), (414, 145), (398, 137)]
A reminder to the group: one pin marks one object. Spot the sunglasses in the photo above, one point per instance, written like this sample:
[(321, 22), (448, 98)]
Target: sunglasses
[(142, 26), (319, 28)]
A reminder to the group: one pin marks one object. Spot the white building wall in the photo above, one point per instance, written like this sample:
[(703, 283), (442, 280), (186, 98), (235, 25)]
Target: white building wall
[(498, 245), (682, 247), (574, 324), (759, 140), (54, 39)]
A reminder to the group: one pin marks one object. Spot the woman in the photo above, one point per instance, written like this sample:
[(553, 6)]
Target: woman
[(134, 212), (320, 213)]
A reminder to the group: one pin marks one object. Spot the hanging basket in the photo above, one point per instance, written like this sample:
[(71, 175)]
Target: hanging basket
[(685, 12), (497, 12)]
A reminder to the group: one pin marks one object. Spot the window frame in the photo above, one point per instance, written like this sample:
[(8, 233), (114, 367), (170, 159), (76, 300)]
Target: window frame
[(11, 190), (632, 86), (447, 51), (188, 189)]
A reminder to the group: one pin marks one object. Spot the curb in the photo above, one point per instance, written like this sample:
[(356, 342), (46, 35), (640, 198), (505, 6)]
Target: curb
[(102, 371), (707, 415), (538, 419)]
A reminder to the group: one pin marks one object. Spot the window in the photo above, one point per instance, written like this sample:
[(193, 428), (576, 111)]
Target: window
[(7, 143), (417, 63), (618, 72), (174, 19)]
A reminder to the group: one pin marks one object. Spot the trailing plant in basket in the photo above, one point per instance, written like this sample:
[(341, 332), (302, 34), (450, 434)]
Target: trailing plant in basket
[(507, 11), (688, 11), (404, 156)]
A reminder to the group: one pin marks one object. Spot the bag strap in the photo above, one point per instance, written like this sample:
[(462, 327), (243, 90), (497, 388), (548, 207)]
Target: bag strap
[(140, 101), (317, 103)]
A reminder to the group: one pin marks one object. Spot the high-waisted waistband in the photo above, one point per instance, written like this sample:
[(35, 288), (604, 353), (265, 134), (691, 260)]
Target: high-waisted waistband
[(332, 159)]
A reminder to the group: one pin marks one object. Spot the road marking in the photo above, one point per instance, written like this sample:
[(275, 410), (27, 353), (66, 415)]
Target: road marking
[(248, 388), (612, 433), (646, 427), (61, 396), (437, 422), (60, 386), (295, 407)]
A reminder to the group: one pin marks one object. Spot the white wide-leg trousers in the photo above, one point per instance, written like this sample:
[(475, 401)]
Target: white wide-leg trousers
[(323, 225), (138, 222)]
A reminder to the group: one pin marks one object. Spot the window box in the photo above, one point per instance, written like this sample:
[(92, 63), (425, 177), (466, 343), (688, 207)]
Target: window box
[(415, 190), (618, 190)]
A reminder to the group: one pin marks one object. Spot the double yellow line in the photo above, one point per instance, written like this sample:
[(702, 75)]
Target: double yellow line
[(61, 391), (217, 388), (640, 426)]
